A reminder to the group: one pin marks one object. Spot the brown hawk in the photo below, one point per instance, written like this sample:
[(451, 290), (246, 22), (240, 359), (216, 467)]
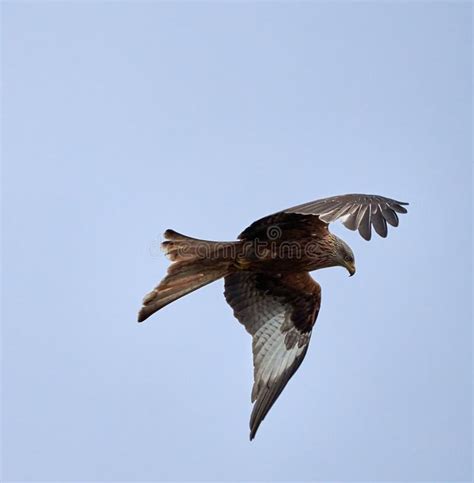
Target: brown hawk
[(266, 279)]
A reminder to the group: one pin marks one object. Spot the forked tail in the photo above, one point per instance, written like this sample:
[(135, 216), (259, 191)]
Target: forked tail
[(195, 264)]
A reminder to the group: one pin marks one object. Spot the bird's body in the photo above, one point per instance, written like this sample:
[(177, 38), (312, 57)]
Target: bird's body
[(267, 281), (290, 254)]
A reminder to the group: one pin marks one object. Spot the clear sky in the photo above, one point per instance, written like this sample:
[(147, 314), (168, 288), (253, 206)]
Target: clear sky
[(123, 119)]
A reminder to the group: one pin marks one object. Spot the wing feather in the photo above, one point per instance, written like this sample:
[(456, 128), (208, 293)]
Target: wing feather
[(378, 222), (390, 215), (279, 311), (336, 213), (363, 222), (356, 211), (350, 221), (269, 394)]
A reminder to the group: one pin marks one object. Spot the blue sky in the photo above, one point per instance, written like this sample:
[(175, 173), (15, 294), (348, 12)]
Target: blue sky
[(122, 119)]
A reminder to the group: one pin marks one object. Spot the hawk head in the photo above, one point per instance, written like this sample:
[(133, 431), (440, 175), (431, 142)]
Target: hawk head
[(344, 256)]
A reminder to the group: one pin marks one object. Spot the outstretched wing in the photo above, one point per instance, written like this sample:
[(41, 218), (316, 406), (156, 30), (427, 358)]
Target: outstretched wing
[(357, 211), (279, 311)]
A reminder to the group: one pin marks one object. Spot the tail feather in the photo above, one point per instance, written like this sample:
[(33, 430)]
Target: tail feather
[(195, 263)]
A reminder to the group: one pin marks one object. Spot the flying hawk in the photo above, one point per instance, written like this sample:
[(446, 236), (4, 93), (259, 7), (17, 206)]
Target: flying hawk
[(266, 279)]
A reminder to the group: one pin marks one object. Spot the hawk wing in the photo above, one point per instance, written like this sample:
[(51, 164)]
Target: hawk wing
[(279, 311), (358, 212)]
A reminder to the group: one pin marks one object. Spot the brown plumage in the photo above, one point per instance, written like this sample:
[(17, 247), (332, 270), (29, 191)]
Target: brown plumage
[(266, 279)]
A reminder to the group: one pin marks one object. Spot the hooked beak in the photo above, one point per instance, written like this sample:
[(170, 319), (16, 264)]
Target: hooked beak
[(351, 268)]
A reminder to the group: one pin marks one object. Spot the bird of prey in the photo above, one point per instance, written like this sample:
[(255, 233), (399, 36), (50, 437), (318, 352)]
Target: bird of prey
[(266, 279)]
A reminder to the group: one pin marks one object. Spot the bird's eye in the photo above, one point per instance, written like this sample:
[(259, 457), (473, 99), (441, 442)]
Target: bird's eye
[(348, 258)]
